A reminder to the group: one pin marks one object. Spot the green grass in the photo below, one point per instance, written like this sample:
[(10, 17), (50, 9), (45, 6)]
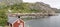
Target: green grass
[(16, 8)]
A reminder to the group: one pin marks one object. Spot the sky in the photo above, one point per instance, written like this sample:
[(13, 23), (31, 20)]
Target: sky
[(52, 3)]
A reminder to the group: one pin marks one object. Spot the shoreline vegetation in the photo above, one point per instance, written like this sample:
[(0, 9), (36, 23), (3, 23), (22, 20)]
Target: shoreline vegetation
[(37, 7)]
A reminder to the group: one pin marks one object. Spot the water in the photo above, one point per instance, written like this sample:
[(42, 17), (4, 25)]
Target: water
[(52, 21)]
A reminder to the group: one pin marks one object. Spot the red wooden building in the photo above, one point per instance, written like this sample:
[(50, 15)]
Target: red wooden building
[(14, 21)]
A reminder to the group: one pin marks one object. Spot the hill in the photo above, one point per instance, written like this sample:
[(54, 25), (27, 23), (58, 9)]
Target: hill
[(38, 7)]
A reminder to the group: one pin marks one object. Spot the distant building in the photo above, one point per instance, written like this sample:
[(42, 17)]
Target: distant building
[(14, 21)]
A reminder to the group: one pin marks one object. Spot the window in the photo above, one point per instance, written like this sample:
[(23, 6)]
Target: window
[(18, 21)]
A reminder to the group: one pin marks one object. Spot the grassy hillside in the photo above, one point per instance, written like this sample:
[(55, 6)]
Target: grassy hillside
[(21, 8), (3, 17)]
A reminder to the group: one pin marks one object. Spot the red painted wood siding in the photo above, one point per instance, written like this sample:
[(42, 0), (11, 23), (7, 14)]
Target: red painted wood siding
[(16, 24), (22, 22)]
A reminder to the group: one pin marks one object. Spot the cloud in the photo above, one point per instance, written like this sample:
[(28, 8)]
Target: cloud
[(52, 3)]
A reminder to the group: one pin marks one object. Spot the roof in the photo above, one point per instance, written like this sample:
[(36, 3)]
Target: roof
[(12, 19)]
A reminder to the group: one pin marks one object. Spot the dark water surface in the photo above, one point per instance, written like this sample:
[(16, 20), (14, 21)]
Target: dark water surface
[(52, 21)]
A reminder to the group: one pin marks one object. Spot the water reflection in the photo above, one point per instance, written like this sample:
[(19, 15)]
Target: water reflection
[(52, 21)]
